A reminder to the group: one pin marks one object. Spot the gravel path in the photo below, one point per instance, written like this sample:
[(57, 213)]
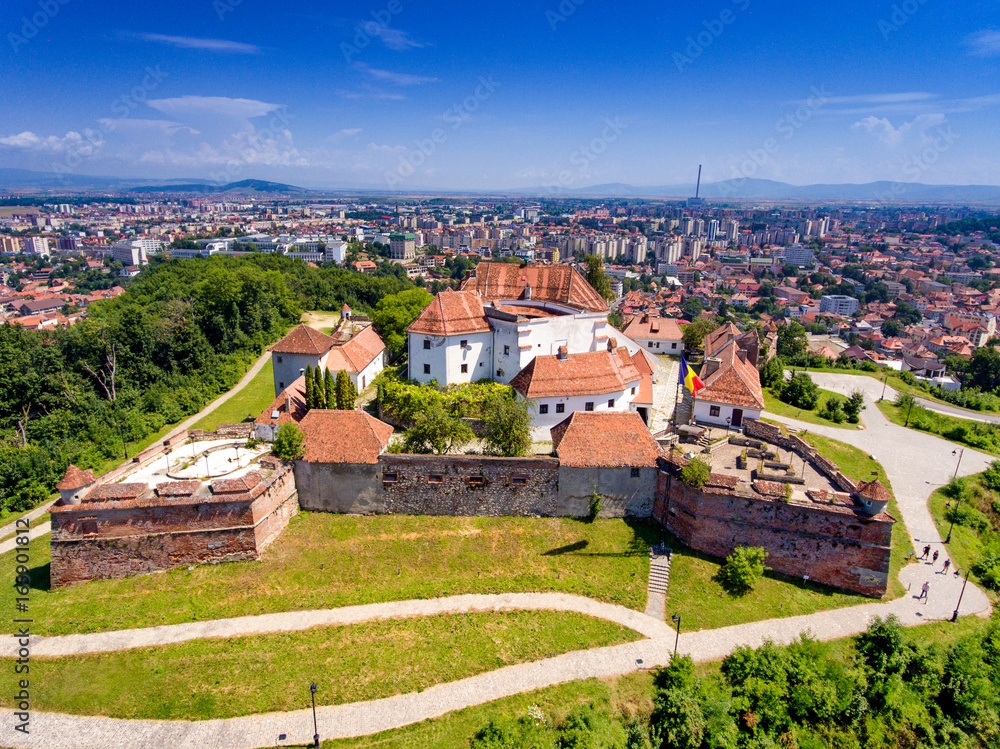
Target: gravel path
[(916, 464)]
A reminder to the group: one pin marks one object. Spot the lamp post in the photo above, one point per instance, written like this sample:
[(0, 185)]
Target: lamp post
[(677, 618), (885, 380), (910, 408), (954, 617), (958, 501), (312, 690), (729, 420)]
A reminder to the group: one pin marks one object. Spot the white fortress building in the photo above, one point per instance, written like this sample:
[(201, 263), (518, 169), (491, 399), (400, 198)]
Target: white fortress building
[(506, 316)]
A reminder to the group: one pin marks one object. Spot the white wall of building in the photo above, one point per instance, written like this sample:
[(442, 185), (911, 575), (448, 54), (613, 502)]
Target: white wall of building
[(542, 423), (443, 361), (703, 412)]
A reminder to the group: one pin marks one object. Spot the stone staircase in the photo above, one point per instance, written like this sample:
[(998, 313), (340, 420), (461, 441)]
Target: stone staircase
[(684, 408), (658, 582)]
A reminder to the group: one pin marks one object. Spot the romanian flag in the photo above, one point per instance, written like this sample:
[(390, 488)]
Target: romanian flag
[(688, 378)]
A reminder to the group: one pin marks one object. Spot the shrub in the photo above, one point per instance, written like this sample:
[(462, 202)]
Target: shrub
[(854, 406), (833, 410), (290, 442), (696, 473), (743, 568), (967, 515), (801, 392)]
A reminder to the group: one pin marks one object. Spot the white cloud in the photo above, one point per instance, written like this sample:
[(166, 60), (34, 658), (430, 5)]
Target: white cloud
[(400, 79), (214, 105), (342, 134), (985, 43), (397, 39), (146, 127), (369, 93), (897, 98), (892, 136), (84, 144), (210, 45)]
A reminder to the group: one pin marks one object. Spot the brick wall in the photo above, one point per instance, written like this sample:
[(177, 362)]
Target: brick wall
[(470, 486), (108, 539), (769, 433), (834, 545)]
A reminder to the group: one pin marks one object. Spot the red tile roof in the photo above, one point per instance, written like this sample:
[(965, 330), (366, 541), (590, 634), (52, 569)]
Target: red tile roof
[(343, 436), (357, 353), (656, 328), (874, 490), (115, 491), (75, 478), (452, 313), (735, 382), (237, 486), (604, 440), (304, 340), (296, 398), (592, 373), (551, 283), (177, 488)]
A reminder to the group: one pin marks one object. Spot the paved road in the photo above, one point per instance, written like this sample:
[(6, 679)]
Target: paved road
[(916, 464), (847, 383), (36, 513)]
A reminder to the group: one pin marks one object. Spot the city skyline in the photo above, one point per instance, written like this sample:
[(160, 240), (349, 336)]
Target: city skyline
[(555, 95)]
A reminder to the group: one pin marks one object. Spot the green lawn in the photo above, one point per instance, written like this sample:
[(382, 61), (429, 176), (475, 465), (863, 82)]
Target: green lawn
[(775, 406), (250, 401), (966, 432), (966, 547), (325, 561), (224, 678)]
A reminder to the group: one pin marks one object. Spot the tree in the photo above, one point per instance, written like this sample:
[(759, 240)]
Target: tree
[(891, 328), (696, 473), (329, 391), (596, 277), (289, 443), (882, 646), (833, 410), (435, 430), (310, 388), (791, 340), (318, 392), (854, 406), (907, 314), (801, 392), (346, 393), (508, 425), (616, 320), (692, 307), (694, 334), (743, 568), (772, 372), (395, 312), (984, 369)]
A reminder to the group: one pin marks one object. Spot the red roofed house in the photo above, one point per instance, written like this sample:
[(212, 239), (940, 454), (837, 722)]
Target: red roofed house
[(340, 470), (74, 484), (558, 386), (288, 408), (660, 335), (612, 454), (732, 389), (353, 347)]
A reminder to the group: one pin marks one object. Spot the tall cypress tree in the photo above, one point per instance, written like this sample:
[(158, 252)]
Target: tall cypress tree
[(329, 389), (318, 389), (310, 394)]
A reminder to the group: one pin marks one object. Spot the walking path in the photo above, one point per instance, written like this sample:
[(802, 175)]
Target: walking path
[(916, 464), (34, 532), (36, 513), (659, 582), (664, 393)]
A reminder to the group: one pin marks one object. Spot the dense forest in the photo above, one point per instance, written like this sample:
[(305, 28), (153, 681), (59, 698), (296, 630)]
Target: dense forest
[(184, 331)]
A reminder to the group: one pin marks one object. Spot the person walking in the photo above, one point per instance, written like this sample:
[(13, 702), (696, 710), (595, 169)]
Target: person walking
[(934, 558), (947, 564), (925, 590), (927, 552)]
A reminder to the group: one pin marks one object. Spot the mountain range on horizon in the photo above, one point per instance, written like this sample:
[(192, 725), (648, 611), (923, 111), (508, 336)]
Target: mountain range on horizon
[(16, 180)]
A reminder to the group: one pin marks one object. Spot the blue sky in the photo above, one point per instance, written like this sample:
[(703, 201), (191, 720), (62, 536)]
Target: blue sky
[(414, 95)]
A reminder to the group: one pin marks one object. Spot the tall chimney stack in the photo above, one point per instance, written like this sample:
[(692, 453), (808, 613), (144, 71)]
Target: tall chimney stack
[(697, 189)]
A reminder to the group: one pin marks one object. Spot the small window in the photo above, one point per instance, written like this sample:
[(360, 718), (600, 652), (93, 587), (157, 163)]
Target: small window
[(279, 360), (465, 369), (519, 480), (427, 344), (281, 385), (435, 478), (713, 410), (673, 345), (477, 480), (589, 406), (560, 408), (543, 408), (611, 402), (649, 343), (427, 369), (390, 478), (464, 344), (636, 472), (633, 391), (506, 350)]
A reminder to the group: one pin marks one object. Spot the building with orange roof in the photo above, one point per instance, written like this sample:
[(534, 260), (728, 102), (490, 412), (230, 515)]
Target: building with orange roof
[(353, 347), (732, 391)]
